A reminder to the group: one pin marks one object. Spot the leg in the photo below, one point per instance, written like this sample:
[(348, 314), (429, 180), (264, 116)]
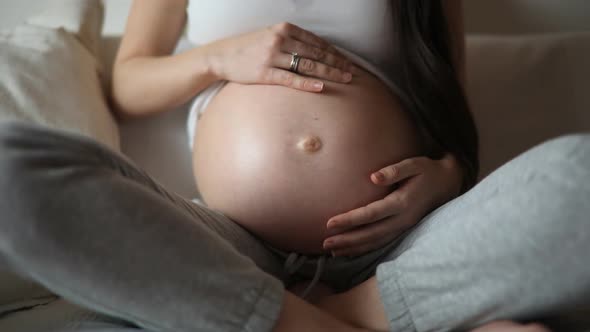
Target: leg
[(61, 315), (91, 227), (513, 247)]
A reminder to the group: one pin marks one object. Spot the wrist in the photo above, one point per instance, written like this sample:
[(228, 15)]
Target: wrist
[(213, 62), (455, 173)]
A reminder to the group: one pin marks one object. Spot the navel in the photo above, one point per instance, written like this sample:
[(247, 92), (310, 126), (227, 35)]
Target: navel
[(310, 144)]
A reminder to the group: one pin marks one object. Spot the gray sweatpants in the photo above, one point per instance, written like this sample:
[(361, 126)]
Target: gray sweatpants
[(90, 226)]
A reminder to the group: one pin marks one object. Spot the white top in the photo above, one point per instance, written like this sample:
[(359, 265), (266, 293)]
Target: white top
[(361, 26)]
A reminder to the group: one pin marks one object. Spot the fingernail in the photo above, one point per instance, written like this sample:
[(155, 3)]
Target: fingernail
[(347, 77), (379, 176), (318, 85), (328, 243), (332, 223)]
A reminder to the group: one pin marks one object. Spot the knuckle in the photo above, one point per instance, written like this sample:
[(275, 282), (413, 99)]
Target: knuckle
[(323, 71), (328, 58), (287, 79), (265, 76), (307, 65), (402, 201), (275, 41), (389, 172), (267, 58), (336, 74), (333, 73), (317, 53), (284, 27), (298, 83)]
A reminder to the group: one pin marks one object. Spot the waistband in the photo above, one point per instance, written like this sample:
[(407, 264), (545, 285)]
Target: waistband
[(340, 272), (370, 67)]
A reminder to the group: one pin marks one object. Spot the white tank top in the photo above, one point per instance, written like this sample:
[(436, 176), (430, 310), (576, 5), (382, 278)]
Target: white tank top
[(361, 26)]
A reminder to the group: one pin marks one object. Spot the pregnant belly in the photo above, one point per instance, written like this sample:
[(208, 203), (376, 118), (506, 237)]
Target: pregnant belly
[(281, 162)]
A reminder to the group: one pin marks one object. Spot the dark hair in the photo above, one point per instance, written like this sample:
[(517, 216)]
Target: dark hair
[(429, 86)]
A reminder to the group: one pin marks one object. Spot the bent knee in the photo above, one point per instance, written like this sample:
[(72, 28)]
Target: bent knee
[(13, 137), (26, 147), (570, 142), (570, 148)]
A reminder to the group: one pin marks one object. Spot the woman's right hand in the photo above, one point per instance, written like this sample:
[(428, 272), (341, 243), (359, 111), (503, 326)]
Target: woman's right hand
[(264, 57)]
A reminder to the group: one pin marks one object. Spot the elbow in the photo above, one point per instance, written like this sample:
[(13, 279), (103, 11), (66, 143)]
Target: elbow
[(118, 106), (122, 95)]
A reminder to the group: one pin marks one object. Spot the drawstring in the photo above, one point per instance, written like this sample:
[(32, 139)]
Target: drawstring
[(318, 272), (294, 261)]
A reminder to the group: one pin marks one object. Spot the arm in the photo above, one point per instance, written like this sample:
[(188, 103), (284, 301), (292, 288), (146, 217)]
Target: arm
[(146, 78), (454, 13)]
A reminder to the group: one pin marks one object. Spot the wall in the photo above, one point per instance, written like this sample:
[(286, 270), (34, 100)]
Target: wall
[(526, 16), (481, 16)]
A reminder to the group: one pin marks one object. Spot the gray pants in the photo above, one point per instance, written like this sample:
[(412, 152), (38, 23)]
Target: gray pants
[(90, 226)]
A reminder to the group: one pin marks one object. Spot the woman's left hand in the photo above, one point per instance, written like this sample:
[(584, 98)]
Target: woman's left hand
[(424, 184)]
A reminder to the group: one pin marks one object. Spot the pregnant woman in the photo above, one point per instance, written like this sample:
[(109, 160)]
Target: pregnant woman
[(329, 152), (291, 129)]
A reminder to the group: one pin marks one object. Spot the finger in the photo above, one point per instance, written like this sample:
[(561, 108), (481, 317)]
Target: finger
[(292, 80), (315, 69), (398, 172), (293, 31), (364, 238), (315, 53), (392, 204), (320, 70)]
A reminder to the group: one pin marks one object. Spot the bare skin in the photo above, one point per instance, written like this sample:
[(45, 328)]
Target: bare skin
[(298, 315), (360, 306)]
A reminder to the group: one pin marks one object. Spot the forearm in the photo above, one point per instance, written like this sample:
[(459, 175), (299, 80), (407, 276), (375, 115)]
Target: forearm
[(146, 85)]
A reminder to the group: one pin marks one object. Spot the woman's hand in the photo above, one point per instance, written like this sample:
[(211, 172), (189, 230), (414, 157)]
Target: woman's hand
[(264, 57), (507, 326), (424, 184)]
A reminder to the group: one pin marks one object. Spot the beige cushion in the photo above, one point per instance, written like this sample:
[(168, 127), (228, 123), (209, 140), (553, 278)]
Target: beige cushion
[(524, 90), (83, 19), (50, 75)]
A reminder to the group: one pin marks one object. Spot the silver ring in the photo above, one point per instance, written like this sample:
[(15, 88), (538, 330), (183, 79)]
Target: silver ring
[(294, 62)]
